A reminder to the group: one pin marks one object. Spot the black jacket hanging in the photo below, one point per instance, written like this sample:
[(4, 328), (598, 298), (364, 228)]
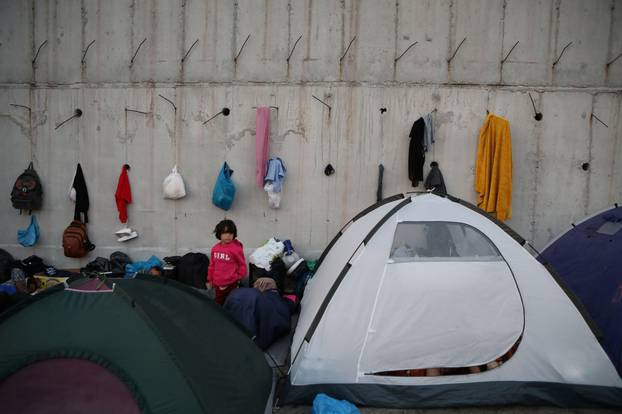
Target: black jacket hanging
[(434, 181), (380, 174), (82, 196), (416, 155)]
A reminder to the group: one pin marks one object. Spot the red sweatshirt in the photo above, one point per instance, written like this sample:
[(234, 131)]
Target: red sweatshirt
[(227, 264), (123, 195)]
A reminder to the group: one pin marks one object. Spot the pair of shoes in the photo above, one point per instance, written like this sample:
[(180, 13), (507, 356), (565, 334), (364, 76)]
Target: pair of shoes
[(127, 237), (126, 234), (123, 231)]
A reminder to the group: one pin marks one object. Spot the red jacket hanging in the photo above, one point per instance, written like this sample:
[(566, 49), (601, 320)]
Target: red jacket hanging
[(123, 195)]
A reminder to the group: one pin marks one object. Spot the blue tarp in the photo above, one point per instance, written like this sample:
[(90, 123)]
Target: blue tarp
[(588, 258)]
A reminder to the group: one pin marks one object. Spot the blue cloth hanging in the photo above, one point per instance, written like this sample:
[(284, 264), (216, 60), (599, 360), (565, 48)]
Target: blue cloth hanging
[(30, 235), (276, 174)]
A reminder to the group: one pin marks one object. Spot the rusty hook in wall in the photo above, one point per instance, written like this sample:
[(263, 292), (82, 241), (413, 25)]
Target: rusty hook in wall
[(348, 48), (599, 120), (561, 54), (271, 107), (508, 55), (22, 106), (537, 115), (404, 52), (456, 51), (136, 52), (235, 59), (324, 103), (295, 44), (76, 114), (137, 111), (614, 59), (169, 101), (186, 55), (225, 111), (86, 50), (38, 50)]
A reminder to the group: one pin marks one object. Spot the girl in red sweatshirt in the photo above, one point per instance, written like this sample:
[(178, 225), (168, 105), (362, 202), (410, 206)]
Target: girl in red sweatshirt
[(227, 263)]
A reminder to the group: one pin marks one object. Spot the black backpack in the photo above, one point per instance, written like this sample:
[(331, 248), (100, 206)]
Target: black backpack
[(27, 192), (6, 260), (192, 270), (118, 260), (31, 265)]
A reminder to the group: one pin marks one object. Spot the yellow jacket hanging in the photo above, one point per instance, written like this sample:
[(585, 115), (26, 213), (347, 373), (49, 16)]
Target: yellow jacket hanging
[(493, 167)]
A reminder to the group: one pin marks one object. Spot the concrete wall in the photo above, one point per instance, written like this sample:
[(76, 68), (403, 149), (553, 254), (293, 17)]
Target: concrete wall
[(460, 81)]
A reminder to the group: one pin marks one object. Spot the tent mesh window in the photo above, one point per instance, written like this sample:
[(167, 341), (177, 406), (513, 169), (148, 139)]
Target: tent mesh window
[(440, 241)]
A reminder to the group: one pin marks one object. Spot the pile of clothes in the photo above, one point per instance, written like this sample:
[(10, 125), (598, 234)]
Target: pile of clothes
[(277, 279)]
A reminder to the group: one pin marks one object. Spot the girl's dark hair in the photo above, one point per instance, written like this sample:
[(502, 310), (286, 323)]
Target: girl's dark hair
[(226, 226)]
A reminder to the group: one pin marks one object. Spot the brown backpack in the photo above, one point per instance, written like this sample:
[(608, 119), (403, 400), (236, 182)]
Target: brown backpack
[(76, 240)]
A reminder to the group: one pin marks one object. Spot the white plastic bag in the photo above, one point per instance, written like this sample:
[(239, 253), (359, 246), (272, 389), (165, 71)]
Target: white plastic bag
[(72, 191), (274, 199), (173, 185), (263, 255)]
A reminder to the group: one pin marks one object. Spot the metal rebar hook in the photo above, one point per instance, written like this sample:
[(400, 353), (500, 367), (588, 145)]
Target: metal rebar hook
[(599, 120), (508, 55), (404, 52), (276, 108), (137, 111), (271, 107), (614, 59), (295, 44), (38, 50), (76, 114), (169, 101), (137, 49), (560, 55), (456, 51), (225, 111), (22, 106), (537, 115), (186, 55), (346, 52), (324, 103), (86, 50), (235, 59)]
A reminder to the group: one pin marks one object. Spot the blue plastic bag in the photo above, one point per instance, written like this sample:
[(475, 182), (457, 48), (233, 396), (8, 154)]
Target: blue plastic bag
[(29, 236), (224, 189), (132, 268), (323, 404)]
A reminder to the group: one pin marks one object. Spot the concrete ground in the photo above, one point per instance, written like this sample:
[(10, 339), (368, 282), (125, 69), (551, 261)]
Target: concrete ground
[(469, 410)]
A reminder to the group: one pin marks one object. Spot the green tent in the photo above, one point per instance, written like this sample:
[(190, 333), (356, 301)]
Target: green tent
[(125, 346)]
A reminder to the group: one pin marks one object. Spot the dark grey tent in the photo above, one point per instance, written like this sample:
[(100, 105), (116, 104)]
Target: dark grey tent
[(124, 346)]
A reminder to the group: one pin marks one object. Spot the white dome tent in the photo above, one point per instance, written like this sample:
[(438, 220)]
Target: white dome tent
[(421, 301)]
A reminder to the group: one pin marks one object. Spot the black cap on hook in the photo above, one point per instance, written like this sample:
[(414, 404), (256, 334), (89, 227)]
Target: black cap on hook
[(329, 170)]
